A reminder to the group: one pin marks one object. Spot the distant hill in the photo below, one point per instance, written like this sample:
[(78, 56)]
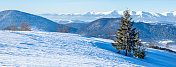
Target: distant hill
[(105, 26), (76, 25), (70, 21), (9, 18), (100, 27)]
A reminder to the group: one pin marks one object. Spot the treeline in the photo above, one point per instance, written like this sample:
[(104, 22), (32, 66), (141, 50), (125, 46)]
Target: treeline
[(22, 27), (64, 29), (26, 27)]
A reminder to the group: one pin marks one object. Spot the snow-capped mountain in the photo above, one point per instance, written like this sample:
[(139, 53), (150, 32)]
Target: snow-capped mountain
[(10, 18), (139, 16)]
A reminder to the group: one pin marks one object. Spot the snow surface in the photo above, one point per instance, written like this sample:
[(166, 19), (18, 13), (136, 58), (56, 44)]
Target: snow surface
[(164, 42), (40, 49)]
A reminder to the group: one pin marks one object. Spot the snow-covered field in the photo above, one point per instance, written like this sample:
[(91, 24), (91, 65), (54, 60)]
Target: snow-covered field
[(52, 49)]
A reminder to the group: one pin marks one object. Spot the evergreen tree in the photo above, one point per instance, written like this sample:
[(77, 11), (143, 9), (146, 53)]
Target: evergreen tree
[(126, 37), (139, 50)]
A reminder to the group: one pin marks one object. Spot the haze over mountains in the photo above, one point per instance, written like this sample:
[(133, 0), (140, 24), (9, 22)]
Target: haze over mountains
[(138, 16)]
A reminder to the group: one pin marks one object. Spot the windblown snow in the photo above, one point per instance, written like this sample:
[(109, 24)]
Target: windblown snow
[(36, 49)]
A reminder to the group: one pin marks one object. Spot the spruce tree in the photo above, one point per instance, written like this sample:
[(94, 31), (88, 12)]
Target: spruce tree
[(126, 37)]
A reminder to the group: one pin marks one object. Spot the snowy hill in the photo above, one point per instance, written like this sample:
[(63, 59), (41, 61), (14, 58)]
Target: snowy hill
[(138, 16), (37, 23), (39, 49)]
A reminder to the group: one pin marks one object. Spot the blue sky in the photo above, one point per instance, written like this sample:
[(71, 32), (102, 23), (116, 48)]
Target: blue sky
[(81, 6)]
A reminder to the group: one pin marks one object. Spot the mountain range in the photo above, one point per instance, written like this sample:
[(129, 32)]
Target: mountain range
[(106, 28), (138, 16), (102, 28)]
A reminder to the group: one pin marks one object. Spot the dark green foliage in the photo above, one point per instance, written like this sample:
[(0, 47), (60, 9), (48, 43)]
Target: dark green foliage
[(139, 53), (127, 38), (12, 27), (160, 48)]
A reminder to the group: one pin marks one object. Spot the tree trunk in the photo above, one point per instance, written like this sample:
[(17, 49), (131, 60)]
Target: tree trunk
[(126, 52)]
